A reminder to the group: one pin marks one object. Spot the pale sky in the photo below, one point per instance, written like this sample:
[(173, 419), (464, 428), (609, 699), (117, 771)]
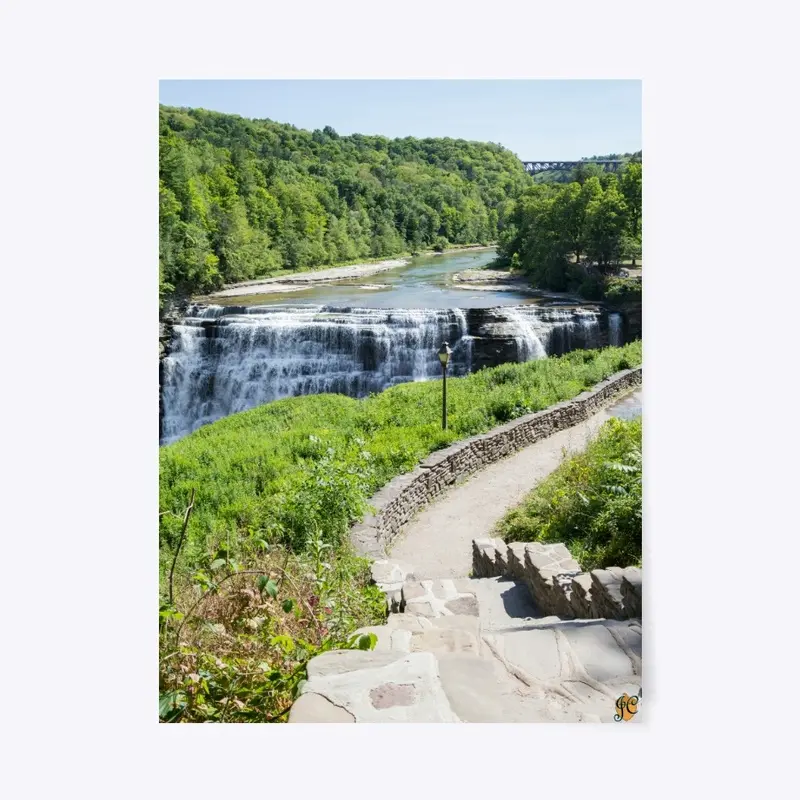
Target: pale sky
[(536, 119)]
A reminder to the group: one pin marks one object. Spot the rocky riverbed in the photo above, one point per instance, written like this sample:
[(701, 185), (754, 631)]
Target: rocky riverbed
[(293, 283)]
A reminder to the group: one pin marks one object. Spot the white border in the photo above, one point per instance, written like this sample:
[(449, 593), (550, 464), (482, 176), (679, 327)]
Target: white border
[(78, 194)]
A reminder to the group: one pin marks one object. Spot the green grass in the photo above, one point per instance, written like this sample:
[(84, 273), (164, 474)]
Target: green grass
[(592, 502), (266, 578), (289, 469)]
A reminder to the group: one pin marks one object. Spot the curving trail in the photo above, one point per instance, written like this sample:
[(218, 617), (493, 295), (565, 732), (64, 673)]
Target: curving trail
[(461, 649), (438, 542)]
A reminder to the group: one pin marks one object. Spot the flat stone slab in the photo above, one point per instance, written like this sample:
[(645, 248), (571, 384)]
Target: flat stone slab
[(390, 575), (534, 651), (438, 598), (598, 652), (502, 603), (312, 707), (443, 640), (337, 662), (407, 690), (389, 639), (605, 649)]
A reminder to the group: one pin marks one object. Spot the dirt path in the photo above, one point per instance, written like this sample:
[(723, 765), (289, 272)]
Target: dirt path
[(438, 541)]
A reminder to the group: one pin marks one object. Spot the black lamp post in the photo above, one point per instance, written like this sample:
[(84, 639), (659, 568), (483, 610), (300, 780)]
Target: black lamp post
[(444, 357)]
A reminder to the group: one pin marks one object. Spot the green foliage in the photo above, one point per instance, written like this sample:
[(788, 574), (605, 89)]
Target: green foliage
[(266, 578), (292, 470), (622, 291), (592, 502), (569, 237), (235, 649), (241, 198)]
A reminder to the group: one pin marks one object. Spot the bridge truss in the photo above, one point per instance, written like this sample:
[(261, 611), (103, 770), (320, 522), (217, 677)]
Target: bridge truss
[(545, 166)]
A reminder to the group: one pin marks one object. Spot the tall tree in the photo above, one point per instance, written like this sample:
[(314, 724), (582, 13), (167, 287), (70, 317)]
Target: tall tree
[(631, 186), (606, 219)]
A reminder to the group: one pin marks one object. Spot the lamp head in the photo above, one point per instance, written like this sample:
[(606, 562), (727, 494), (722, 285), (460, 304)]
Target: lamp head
[(444, 353)]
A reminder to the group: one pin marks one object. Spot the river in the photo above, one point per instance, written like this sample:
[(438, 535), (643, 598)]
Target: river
[(425, 282), (360, 336)]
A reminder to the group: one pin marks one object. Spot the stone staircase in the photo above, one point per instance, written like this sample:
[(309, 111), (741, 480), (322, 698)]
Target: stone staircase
[(556, 582), (489, 648)]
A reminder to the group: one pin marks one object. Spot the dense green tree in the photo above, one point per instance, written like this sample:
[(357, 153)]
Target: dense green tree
[(631, 187), (567, 236), (606, 222), (239, 197)]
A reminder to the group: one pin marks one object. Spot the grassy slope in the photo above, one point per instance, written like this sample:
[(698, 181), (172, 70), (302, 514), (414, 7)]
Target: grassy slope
[(285, 469), (592, 502)]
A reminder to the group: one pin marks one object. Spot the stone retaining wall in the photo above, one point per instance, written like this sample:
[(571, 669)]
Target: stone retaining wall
[(556, 583), (405, 495)]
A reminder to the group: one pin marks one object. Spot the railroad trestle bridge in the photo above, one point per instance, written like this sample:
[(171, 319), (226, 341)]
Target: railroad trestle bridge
[(544, 166)]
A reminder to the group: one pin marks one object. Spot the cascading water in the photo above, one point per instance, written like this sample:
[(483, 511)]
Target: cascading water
[(542, 331), (615, 330), (228, 359), (525, 330), (225, 360)]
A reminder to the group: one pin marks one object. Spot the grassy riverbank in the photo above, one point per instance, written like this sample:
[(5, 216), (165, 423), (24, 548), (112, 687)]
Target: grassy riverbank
[(264, 577), (592, 502)]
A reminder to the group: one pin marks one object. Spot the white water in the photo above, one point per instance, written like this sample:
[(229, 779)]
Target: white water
[(615, 330), (227, 359)]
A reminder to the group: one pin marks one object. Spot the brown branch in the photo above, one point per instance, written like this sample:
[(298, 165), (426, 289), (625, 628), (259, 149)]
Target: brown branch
[(247, 572), (180, 542), (278, 716)]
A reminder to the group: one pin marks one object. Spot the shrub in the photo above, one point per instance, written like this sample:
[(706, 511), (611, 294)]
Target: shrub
[(238, 636), (592, 502), (623, 290)]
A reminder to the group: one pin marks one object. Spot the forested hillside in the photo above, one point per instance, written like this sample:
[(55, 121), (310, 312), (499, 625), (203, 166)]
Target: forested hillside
[(240, 198), (574, 236)]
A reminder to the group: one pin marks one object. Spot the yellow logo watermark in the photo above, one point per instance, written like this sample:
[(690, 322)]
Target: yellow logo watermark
[(627, 707)]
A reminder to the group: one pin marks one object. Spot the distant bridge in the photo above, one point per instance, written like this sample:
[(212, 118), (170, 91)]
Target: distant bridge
[(543, 166)]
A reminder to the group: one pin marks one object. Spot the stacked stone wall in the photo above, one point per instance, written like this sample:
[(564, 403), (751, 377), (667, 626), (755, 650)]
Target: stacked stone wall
[(556, 582), (399, 501)]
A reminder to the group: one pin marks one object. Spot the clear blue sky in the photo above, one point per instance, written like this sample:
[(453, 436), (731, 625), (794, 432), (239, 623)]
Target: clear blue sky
[(545, 119)]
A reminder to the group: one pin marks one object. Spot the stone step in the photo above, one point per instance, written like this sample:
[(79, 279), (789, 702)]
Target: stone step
[(407, 689), (502, 603), (555, 580), (437, 598), (499, 662), (390, 575)]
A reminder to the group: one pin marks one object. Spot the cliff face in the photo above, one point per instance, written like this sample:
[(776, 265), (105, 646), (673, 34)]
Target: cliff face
[(497, 341)]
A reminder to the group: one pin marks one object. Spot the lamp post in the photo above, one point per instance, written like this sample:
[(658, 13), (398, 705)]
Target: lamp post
[(444, 357)]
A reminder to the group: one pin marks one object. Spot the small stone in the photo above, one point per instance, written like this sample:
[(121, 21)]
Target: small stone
[(413, 590)]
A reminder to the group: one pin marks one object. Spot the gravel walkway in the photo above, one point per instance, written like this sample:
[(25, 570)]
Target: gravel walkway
[(439, 541)]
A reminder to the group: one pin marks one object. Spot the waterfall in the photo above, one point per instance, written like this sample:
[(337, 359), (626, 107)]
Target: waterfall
[(525, 330), (225, 359), (542, 331), (615, 330)]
